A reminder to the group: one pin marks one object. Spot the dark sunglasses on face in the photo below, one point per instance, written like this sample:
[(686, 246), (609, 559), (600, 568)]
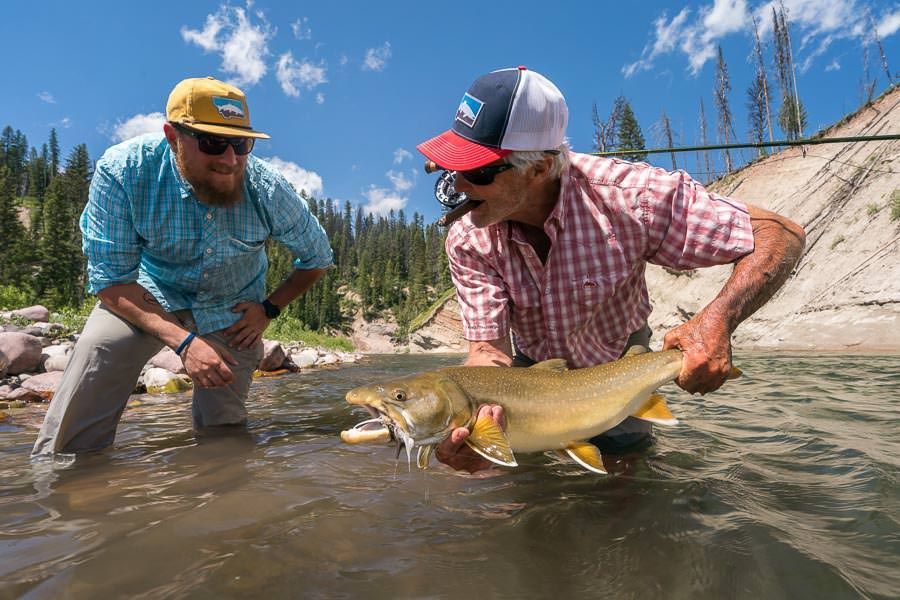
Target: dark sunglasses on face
[(484, 175), (216, 145)]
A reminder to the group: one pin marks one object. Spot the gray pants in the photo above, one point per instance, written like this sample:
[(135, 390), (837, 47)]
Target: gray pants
[(102, 373), (629, 433)]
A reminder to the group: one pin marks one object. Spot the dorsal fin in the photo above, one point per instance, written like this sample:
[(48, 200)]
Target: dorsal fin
[(552, 364)]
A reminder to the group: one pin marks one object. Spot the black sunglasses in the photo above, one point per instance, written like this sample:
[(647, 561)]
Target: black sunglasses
[(484, 175), (216, 145)]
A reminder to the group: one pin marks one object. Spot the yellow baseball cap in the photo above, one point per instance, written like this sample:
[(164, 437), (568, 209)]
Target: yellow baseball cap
[(209, 105)]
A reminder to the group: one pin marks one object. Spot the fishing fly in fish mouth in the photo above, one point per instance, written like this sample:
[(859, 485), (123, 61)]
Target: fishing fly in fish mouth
[(547, 406)]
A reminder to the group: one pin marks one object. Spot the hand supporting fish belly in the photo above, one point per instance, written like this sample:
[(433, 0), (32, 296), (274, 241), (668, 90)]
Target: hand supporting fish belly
[(547, 407)]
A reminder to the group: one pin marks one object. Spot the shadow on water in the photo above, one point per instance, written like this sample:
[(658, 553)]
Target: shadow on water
[(781, 485)]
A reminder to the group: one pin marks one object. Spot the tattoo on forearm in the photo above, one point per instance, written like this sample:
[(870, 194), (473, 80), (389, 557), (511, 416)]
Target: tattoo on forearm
[(150, 299)]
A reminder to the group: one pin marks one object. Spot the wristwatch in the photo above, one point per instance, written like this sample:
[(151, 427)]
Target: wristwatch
[(272, 311)]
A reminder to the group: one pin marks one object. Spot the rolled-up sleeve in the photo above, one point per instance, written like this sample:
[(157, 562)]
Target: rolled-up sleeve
[(295, 227), (689, 227), (483, 299), (109, 239)]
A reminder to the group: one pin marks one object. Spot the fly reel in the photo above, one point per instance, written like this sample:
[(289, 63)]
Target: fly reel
[(445, 190)]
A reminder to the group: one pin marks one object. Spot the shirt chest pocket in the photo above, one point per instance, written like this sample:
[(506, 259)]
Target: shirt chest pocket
[(592, 293)]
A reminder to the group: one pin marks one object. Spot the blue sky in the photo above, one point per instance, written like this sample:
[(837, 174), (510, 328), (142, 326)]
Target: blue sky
[(347, 89)]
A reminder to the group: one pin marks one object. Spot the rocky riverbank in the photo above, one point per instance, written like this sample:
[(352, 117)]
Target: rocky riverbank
[(34, 352)]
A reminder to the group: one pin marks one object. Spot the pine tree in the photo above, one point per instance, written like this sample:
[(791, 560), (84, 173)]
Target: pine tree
[(13, 270), (630, 135), (62, 275), (54, 154)]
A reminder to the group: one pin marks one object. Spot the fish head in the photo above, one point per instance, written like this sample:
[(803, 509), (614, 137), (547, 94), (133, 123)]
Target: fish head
[(420, 409)]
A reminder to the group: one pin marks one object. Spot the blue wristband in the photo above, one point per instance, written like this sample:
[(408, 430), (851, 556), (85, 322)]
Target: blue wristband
[(185, 343)]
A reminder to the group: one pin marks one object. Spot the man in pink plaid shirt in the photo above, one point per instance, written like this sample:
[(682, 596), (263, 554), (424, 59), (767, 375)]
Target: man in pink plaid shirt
[(556, 246)]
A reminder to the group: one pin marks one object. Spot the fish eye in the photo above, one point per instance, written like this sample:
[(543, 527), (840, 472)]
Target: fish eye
[(399, 395)]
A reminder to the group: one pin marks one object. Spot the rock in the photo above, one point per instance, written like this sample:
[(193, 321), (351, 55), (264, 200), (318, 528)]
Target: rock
[(161, 381), (168, 360), (57, 363), (304, 358), (4, 364), (56, 356), (22, 350), (348, 357), (45, 329), (44, 384), (329, 358), (273, 356), (33, 313)]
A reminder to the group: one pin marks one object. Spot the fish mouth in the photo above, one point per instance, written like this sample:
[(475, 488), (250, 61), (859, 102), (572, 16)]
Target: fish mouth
[(368, 431)]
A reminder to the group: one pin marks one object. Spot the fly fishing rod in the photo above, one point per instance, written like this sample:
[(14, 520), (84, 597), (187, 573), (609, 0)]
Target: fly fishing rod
[(459, 204)]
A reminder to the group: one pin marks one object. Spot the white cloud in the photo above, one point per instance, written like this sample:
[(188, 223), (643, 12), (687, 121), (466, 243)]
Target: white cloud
[(376, 58), (138, 125), (888, 25), (293, 75), (381, 201), (242, 44), (299, 177), (47, 97), (834, 65), (301, 29), (815, 26), (65, 122), (400, 155), (400, 181), (320, 98), (343, 60)]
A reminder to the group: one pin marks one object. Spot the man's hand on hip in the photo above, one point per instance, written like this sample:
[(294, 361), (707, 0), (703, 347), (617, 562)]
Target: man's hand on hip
[(247, 331)]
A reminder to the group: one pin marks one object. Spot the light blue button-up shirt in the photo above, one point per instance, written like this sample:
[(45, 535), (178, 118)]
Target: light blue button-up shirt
[(143, 223)]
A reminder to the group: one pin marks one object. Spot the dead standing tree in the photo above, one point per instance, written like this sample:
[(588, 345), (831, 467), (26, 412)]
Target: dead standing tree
[(720, 95), (606, 133), (758, 102), (791, 115)]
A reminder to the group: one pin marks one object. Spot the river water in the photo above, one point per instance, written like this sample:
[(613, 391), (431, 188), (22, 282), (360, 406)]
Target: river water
[(783, 484)]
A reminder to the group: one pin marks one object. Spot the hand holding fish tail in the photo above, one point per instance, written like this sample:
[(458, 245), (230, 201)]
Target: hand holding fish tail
[(706, 344), (454, 452)]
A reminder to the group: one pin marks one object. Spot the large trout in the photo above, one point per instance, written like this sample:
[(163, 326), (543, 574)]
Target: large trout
[(547, 407)]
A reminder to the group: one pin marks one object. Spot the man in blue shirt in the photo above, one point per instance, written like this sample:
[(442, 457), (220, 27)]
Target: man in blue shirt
[(174, 231)]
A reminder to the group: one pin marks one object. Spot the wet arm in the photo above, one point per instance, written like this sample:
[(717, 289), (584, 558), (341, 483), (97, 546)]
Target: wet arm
[(706, 338)]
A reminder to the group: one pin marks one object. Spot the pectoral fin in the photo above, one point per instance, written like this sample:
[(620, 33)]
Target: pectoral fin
[(735, 373), (488, 440), (424, 455), (656, 411), (587, 455)]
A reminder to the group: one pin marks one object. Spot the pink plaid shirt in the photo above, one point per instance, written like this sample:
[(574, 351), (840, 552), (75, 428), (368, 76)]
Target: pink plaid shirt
[(612, 218)]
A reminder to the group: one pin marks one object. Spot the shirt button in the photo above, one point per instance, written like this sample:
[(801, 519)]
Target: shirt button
[(209, 216), (205, 275), (209, 250)]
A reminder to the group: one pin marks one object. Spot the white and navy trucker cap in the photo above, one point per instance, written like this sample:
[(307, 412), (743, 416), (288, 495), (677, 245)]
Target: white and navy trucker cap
[(505, 110)]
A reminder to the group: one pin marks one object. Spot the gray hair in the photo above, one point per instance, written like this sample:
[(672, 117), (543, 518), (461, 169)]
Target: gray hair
[(522, 159)]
